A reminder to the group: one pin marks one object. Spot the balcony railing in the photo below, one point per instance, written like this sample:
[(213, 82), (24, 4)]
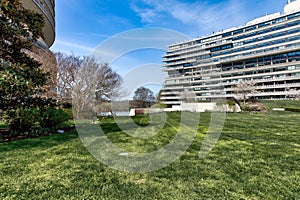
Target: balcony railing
[(48, 15)]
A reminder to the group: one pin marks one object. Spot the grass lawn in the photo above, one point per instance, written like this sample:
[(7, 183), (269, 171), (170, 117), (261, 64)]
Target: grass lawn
[(256, 157)]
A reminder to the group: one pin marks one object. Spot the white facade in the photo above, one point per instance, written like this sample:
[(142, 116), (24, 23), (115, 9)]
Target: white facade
[(266, 50)]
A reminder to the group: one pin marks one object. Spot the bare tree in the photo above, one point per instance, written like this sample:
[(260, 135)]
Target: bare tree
[(245, 89), (294, 94), (188, 97), (88, 81), (68, 67)]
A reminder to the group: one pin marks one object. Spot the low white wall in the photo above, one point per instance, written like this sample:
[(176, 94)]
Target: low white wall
[(192, 107), (198, 107), (203, 107), (132, 112)]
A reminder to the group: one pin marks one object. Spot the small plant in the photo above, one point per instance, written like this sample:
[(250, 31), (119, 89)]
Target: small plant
[(230, 103)]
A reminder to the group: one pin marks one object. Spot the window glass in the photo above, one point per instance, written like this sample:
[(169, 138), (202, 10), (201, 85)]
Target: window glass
[(294, 15), (278, 34), (281, 19), (293, 23), (264, 31), (238, 31), (278, 27), (293, 31), (250, 28), (264, 24), (227, 34)]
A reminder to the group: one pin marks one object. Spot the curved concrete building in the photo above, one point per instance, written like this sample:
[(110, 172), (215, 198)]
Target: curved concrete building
[(40, 51), (47, 9)]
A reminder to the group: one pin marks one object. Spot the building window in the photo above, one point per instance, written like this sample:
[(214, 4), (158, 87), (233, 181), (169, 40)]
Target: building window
[(294, 38), (281, 58), (278, 34), (281, 19), (238, 31), (278, 27), (250, 28), (294, 56), (264, 31), (264, 24), (294, 31), (294, 15)]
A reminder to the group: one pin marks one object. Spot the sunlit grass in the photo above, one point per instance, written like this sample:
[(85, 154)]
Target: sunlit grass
[(256, 157)]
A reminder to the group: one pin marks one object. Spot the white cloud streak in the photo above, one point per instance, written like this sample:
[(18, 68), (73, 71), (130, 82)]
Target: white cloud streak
[(198, 16), (73, 45)]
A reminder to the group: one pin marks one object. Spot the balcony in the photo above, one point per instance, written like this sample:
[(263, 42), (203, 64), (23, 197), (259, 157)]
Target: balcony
[(45, 8)]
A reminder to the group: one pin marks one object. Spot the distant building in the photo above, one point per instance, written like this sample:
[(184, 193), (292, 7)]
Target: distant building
[(266, 50)]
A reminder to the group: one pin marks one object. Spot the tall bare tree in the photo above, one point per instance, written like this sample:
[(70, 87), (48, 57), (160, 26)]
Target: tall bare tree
[(87, 80), (67, 69)]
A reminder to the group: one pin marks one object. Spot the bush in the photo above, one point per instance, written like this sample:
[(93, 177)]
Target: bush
[(159, 105), (51, 118), (69, 111), (22, 120), (253, 107), (292, 109), (230, 103), (270, 104)]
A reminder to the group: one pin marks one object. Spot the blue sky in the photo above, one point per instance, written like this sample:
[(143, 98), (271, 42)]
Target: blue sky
[(81, 25)]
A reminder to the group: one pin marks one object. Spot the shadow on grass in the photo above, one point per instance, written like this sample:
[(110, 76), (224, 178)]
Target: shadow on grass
[(42, 142)]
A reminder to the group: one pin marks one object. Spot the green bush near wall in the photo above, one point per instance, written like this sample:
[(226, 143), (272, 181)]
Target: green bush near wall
[(270, 104), (292, 109)]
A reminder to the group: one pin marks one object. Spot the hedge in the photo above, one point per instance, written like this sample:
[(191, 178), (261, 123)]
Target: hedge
[(292, 109)]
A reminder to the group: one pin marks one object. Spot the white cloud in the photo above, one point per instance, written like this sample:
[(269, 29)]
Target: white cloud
[(199, 16), (100, 35), (147, 15), (70, 47), (76, 46)]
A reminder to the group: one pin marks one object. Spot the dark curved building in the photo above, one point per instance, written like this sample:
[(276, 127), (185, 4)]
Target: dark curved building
[(40, 51), (47, 9)]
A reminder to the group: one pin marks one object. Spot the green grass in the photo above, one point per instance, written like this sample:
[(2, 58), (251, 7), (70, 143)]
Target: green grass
[(256, 157)]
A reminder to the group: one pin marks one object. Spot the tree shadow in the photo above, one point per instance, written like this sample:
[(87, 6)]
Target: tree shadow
[(41, 142)]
